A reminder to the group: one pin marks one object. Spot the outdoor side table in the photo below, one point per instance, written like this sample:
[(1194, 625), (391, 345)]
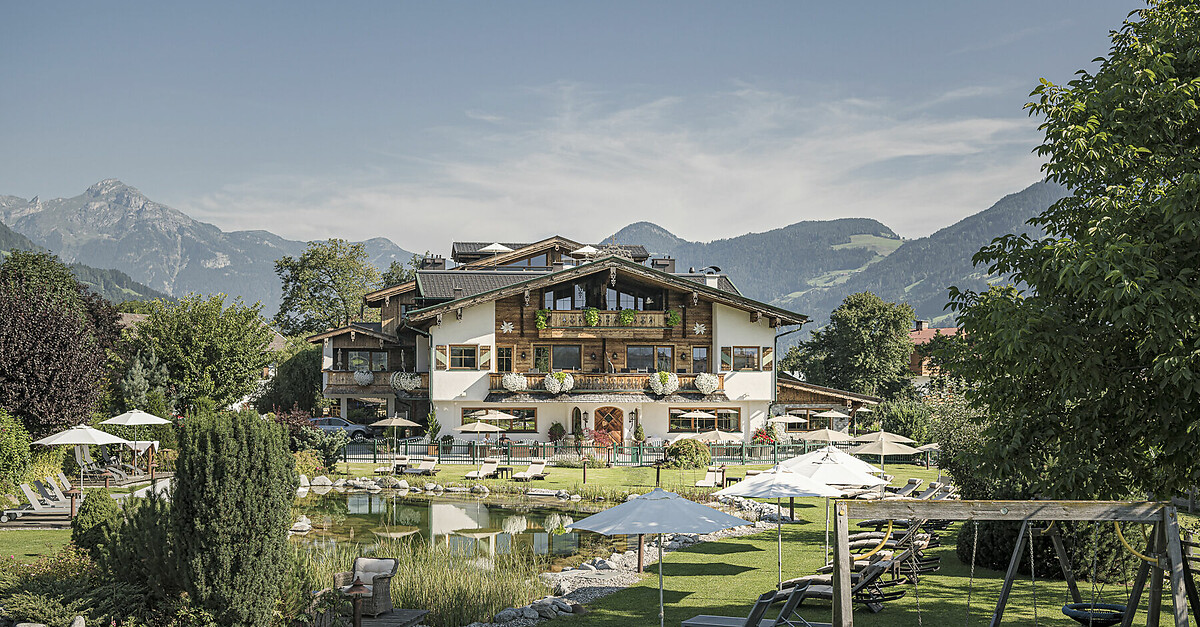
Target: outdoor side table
[(74, 493), (504, 472), (731, 480)]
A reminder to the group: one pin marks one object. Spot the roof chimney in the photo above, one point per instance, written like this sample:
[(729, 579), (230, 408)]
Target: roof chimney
[(436, 262), (711, 280), (663, 264), (921, 324)]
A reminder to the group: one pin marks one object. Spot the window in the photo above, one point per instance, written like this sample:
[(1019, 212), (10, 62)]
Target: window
[(375, 361), (504, 359), (745, 358), (566, 297), (650, 358), (803, 426), (548, 358), (633, 298), (464, 357), (725, 420), (699, 359), (524, 419)]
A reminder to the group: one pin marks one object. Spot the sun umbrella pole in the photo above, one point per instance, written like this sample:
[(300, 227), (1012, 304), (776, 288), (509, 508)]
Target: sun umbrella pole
[(661, 620), (827, 529), (779, 532)]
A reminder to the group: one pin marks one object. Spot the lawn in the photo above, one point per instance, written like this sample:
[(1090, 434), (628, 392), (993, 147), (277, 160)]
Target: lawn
[(26, 545)]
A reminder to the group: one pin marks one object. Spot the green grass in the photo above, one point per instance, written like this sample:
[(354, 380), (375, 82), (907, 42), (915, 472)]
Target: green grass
[(26, 545), (883, 246)]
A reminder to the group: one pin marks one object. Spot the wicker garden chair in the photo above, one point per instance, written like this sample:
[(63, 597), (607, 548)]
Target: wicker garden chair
[(377, 575)]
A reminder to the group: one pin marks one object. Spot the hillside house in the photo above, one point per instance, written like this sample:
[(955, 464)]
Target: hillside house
[(921, 335), (615, 320)]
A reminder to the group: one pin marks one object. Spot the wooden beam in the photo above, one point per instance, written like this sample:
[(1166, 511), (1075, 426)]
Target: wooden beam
[(1144, 512), (1064, 562), (1010, 575), (1179, 600), (1154, 603), (843, 610), (1135, 595)]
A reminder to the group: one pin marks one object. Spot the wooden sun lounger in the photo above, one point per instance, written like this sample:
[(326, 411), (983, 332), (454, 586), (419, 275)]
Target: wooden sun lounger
[(426, 467), (536, 470), (487, 470)]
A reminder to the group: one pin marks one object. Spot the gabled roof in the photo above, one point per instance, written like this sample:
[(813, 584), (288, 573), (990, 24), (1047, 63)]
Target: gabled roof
[(926, 335), (391, 290), (788, 380), (617, 264), (442, 283), (372, 329), (723, 282)]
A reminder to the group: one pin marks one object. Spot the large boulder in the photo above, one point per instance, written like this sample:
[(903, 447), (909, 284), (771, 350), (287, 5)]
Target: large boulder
[(506, 615), (321, 480)]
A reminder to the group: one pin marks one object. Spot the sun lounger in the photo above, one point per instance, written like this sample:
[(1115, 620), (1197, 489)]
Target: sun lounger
[(930, 490), (755, 618), (486, 471), (536, 470), (128, 469), (905, 490), (47, 494), (870, 590), (426, 467), (63, 481), (712, 478), (41, 507)]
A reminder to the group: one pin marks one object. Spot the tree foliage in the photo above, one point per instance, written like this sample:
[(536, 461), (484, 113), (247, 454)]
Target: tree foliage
[(297, 380), (1093, 372), (323, 287), (398, 272), (209, 349), (234, 485), (905, 416), (53, 343), (864, 349), (14, 452), (97, 513)]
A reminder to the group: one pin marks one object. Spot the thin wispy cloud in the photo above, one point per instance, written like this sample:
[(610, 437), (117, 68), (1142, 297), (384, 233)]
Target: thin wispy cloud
[(704, 167)]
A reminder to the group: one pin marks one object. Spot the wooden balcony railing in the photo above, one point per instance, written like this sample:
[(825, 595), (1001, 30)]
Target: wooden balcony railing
[(608, 319), (381, 381), (603, 382)]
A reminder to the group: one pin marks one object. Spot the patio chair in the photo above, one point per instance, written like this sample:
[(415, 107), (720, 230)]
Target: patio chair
[(426, 467), (755, 618), (536, 470), (112, 462), (399, 464), (486, 470), (712, 478), (377, 575), (930, 490)]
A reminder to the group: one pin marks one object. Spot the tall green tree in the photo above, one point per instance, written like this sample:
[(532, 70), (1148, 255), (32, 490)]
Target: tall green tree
[(398, 272), (297, 380), (323, 287), (209, 349), (55, 343), (1092, 374), (865, 348), (234, 486)]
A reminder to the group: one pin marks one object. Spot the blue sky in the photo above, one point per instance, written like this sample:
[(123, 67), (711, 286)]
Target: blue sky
[(426, 122)]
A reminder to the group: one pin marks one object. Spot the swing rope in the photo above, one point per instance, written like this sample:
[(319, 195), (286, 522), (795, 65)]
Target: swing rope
[(1095, 574), (1032, 579), (971, 580), (913, 578)]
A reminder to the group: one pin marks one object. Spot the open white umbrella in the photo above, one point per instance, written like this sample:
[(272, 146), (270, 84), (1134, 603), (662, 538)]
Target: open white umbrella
[(658, 512), (717, 436), (134, 418), (787, 419), (834, 470), (394, 422), (496, 247), (883, 448), (876, 436), (837, 454), (80, 435), (779, 483), (832, 413), (584, 251), (825, 435)]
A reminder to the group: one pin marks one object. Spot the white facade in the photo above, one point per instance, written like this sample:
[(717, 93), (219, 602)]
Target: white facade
[(750, 392)]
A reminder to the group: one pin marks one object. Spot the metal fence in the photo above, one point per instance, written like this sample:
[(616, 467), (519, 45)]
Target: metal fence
[(380, 451)]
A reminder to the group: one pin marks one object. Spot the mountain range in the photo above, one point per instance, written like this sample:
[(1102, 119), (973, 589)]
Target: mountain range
[(113, 285), (807, 267), (113, 225), (810, 267)]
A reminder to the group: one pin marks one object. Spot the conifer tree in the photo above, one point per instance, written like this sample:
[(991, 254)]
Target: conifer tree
[(234, 485)]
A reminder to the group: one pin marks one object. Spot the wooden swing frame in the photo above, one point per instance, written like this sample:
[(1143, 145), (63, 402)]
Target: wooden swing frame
[(1165, 543)]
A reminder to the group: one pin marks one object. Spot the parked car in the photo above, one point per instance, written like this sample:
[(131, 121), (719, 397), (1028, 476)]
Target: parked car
[(333, 423)]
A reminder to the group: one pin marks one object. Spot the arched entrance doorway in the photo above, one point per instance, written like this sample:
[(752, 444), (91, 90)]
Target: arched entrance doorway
[(611, 420)]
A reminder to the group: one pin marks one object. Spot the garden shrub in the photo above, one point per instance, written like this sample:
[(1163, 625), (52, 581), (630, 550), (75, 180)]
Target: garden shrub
[(98, 512), (138, 549), (308, 464), (49, 462), (688, 453), (907, 417), (327, 446), (763, 435), (14, 452), (231, 510), (557, 432), (57, 587), (577, 461)]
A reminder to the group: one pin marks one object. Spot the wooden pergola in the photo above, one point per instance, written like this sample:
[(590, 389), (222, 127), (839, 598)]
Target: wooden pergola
[(1165, 545)]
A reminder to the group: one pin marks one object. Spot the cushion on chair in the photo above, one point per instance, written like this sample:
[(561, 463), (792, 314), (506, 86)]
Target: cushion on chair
[(368, 586), (366, 568)]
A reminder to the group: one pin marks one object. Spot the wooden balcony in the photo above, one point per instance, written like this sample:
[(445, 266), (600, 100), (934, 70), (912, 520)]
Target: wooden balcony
[(342, 382), (603, 382), (573, 324)]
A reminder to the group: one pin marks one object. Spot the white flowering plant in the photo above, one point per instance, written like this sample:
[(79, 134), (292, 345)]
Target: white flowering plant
[(405, 381), (559, 382), (707, 383), (514, 382), (664, 383)]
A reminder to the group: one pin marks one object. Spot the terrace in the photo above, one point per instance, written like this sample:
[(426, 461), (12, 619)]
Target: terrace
[(603, 382)]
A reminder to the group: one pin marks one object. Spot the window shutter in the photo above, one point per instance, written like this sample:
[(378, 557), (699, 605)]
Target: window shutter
[(441, 357), (768, 358), (726, 358), (485, 357)]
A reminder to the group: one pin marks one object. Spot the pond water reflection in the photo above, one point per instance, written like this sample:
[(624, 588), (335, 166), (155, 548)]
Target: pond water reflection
[(465, 524)]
